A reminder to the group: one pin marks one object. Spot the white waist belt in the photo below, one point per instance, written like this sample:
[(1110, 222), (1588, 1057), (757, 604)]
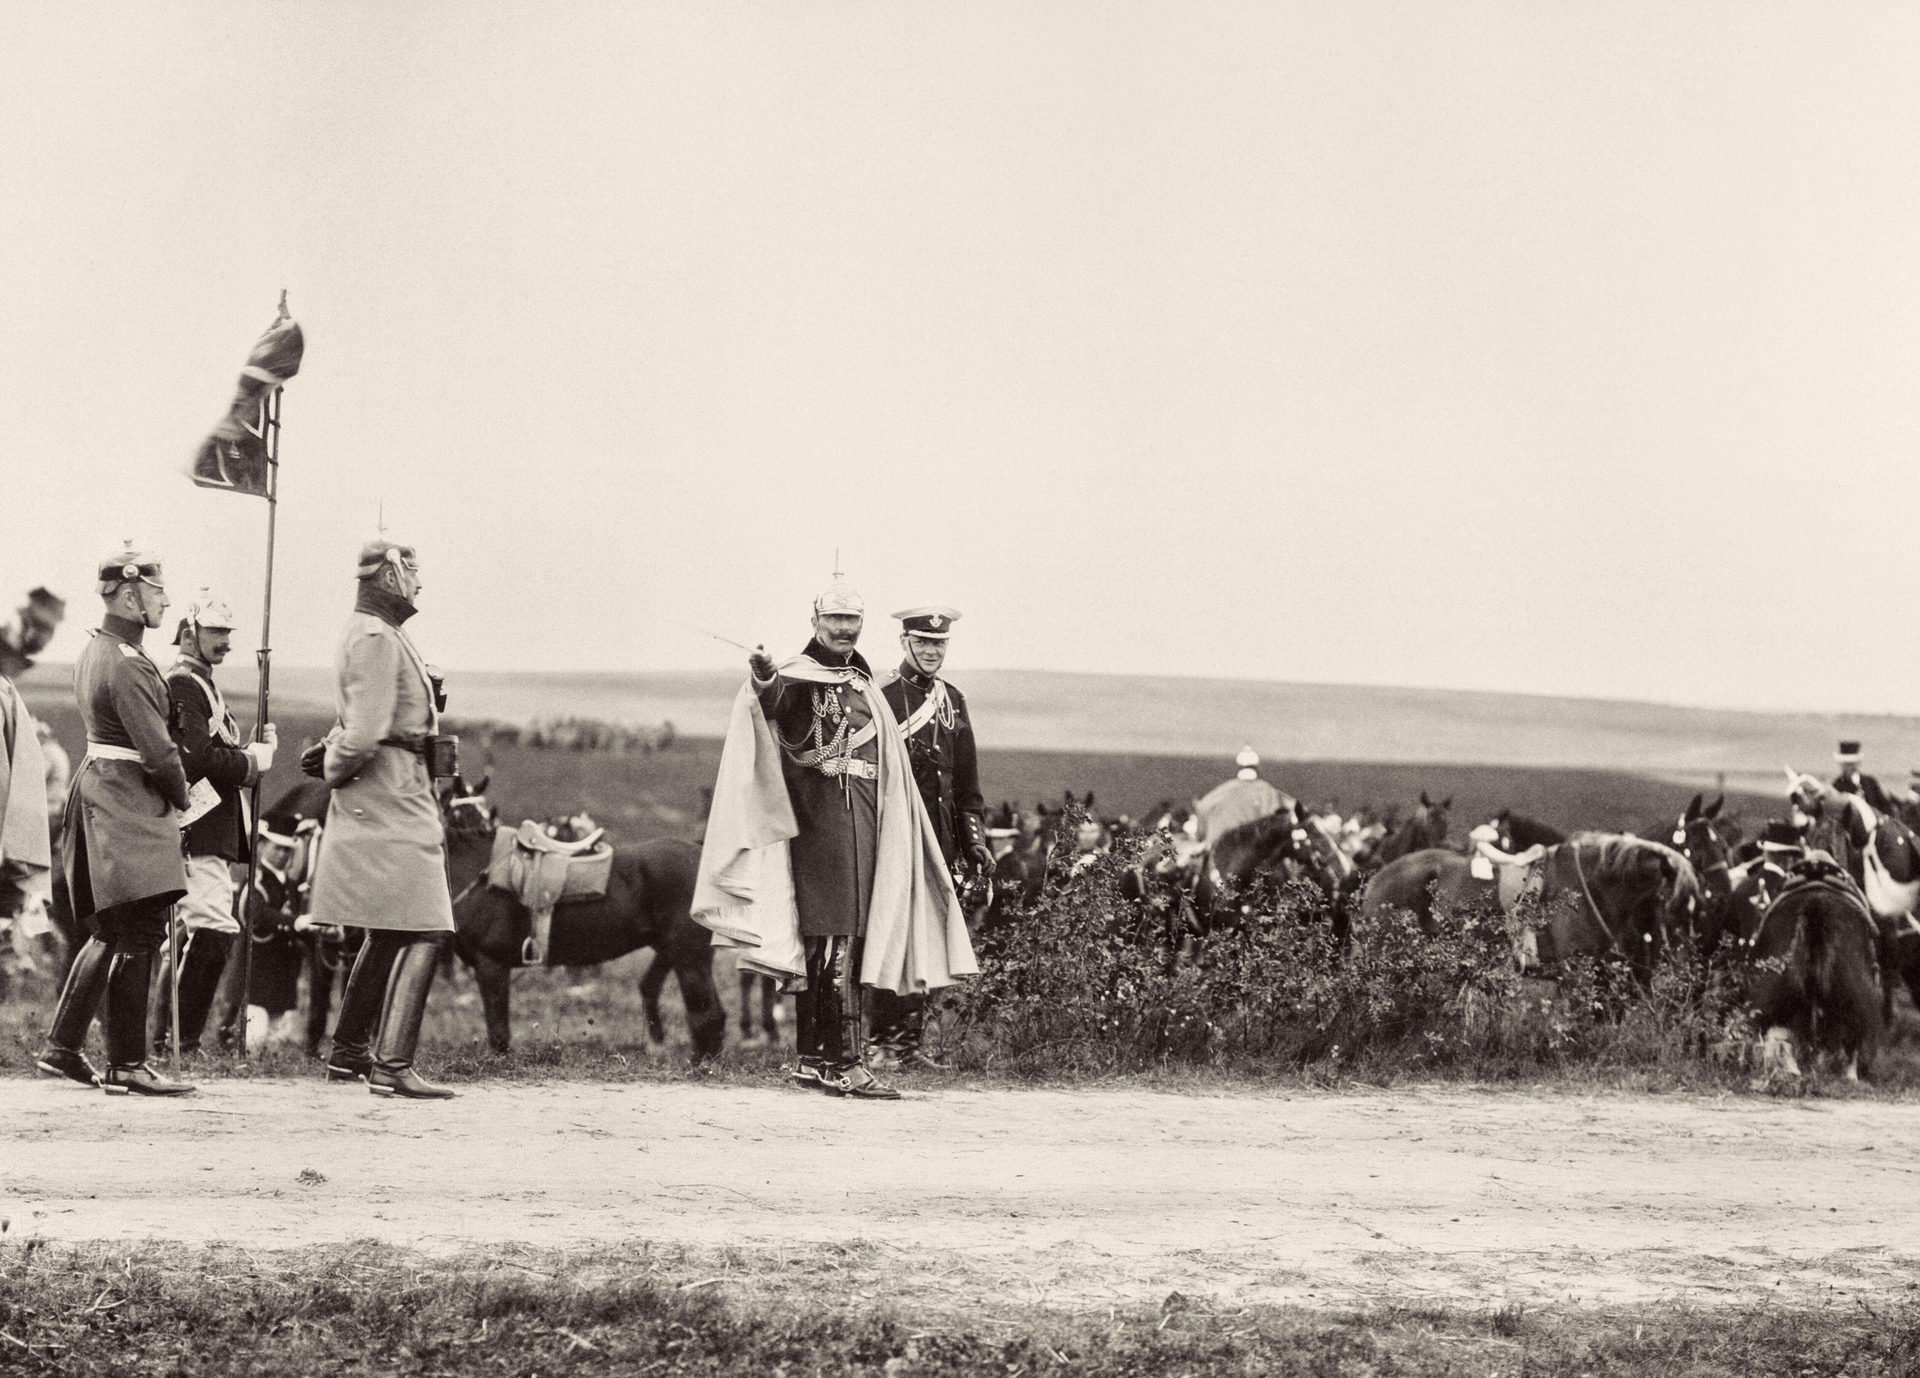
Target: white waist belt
[(101, 751)]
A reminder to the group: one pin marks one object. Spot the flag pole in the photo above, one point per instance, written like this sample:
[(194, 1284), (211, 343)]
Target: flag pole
[(270, 435)]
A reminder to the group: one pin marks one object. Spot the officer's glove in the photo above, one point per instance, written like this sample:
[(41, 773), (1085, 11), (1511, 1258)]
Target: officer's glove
[(982, 856), (313, 761), (761, 664), (261, 754)]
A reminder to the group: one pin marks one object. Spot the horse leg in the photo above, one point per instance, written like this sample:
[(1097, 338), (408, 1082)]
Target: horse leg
[(495, 979), (706, 1018), (1777, 1052), (651, 981)]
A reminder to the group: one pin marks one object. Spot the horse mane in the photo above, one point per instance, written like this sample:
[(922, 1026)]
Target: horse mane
[(1619, 854)]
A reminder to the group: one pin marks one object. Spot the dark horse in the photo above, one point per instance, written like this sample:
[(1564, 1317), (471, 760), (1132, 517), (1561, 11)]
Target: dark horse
[(1806, 948), (1272, 845), (648, 904), (1602, 895), (1425, 827), (1517, 832)]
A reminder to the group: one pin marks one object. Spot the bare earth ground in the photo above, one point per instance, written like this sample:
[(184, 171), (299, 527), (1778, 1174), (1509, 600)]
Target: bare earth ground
[(1076, 1198)]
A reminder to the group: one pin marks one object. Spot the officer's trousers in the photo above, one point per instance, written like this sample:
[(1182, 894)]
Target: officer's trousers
[(828, 1014)]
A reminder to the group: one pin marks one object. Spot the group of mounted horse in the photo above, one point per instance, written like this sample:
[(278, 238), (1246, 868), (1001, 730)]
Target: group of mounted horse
[(1818, 918)]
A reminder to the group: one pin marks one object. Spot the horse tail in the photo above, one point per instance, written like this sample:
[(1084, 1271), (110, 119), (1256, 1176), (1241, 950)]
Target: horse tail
[(1843, 977)]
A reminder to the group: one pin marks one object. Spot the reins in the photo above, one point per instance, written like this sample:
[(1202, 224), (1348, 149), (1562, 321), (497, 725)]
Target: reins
[(1592, 904)]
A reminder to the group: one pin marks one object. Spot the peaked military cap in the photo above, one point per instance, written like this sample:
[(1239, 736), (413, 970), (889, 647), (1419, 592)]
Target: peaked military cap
[(934, 623), (129, 563)]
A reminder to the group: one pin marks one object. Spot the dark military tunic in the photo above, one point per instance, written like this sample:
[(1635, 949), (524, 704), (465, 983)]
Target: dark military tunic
[(210, 749), (946, 766), (120, 842), (838, 813), (1868, 788)]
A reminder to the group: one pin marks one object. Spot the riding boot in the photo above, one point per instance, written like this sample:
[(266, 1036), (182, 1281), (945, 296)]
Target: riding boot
[(127, 1071), (73, 1016), (399, 1037), (360, 1007), (201, 966)]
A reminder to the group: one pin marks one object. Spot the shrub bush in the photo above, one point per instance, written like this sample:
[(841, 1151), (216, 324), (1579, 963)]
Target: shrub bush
[(1086, 980)]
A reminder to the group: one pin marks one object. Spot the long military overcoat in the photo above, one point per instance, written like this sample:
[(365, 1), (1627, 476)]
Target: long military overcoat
[(121, 838), (384, 863)]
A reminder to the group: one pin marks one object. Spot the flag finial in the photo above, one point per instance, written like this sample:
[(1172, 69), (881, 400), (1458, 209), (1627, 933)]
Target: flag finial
[(283, 304)]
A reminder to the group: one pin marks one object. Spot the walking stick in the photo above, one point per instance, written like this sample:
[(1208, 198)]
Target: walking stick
[(270, 428)]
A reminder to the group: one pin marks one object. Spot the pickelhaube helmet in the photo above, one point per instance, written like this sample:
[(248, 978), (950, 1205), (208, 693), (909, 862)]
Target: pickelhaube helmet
[(205, 610), (840, 599), (128, 564), (380, 552)]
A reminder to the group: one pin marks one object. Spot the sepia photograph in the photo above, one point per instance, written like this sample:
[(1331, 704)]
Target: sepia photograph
[(711, 687)]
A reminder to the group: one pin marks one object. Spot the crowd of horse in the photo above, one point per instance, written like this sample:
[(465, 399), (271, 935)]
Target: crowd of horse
[(1818, 916)]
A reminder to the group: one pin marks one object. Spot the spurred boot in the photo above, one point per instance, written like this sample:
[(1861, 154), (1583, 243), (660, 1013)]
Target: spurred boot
[(127, 1069), (360, 1007), (73, 1016), (399, 1037), (850, 1075)]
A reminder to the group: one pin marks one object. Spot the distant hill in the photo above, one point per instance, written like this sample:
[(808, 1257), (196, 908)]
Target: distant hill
[(1169, 716)]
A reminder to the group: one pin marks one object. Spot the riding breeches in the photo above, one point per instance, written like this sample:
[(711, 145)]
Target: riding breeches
[(828, 1013)]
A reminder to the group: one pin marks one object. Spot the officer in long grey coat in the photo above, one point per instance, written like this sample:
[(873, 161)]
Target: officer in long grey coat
[(120, 843), (384, 865)]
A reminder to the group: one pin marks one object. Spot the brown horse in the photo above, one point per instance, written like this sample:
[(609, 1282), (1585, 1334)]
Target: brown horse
[(1274, 845), (1882, 856), (1602, 895), (1806, 949), (648, 903)]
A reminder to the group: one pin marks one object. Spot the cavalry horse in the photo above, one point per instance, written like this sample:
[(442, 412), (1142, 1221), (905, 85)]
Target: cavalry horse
[(1598, 895), (1274, 845), (1883, 856), (1806, 949), (648, 903), (1424, 828)]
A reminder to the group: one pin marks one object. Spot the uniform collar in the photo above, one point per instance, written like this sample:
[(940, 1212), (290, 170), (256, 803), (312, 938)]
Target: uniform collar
[(197, 665), (915, 676), (832, 660), (390, 608), (124, 627)]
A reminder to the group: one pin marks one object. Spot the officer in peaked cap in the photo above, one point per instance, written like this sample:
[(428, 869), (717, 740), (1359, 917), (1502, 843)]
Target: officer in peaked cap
[(120, 843), (933, 718), (1851, 781), (212, 750)]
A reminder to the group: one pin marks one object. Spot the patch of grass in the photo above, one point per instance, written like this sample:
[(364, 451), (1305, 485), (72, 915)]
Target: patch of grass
[(103, 1309)]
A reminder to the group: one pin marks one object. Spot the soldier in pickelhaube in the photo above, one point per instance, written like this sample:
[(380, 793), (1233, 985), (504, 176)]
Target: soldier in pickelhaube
[(384, 864), (121, 840), (939, 733), (817, 706), (211, 749)]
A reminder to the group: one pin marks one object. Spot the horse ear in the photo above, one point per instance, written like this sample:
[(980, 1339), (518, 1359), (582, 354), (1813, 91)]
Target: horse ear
[(1693, 809), (1447, 803), (1425, 802), (1713, 809), (481, 788)]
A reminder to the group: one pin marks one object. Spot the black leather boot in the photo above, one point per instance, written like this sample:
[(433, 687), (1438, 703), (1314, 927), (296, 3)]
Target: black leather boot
[(127, 1069), (202, 962), (73, 1016), (360, 1007), (399, 1037)]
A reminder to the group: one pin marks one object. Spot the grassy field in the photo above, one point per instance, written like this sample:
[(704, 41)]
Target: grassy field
[(846, 1308)]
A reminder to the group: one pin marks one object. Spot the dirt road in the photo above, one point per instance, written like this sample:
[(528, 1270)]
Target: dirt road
[(1069, 1197)]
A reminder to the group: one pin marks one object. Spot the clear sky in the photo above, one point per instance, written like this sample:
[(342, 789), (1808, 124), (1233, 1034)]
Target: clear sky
[(1551, 347)]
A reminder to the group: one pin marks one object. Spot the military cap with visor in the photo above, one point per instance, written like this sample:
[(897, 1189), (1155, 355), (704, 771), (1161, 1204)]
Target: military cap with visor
[(933, 622)]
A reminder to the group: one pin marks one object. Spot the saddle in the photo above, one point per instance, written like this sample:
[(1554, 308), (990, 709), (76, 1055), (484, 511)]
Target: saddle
[(543, 872), (1520, 875)]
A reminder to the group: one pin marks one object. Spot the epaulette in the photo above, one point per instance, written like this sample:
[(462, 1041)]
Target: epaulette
[(886, 678), (131, 652)]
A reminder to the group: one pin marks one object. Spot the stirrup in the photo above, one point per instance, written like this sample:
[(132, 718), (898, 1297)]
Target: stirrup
[(531, 953)]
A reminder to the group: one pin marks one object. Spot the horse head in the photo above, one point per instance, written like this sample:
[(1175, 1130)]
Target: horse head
[(465, 810), (1697, 839)]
